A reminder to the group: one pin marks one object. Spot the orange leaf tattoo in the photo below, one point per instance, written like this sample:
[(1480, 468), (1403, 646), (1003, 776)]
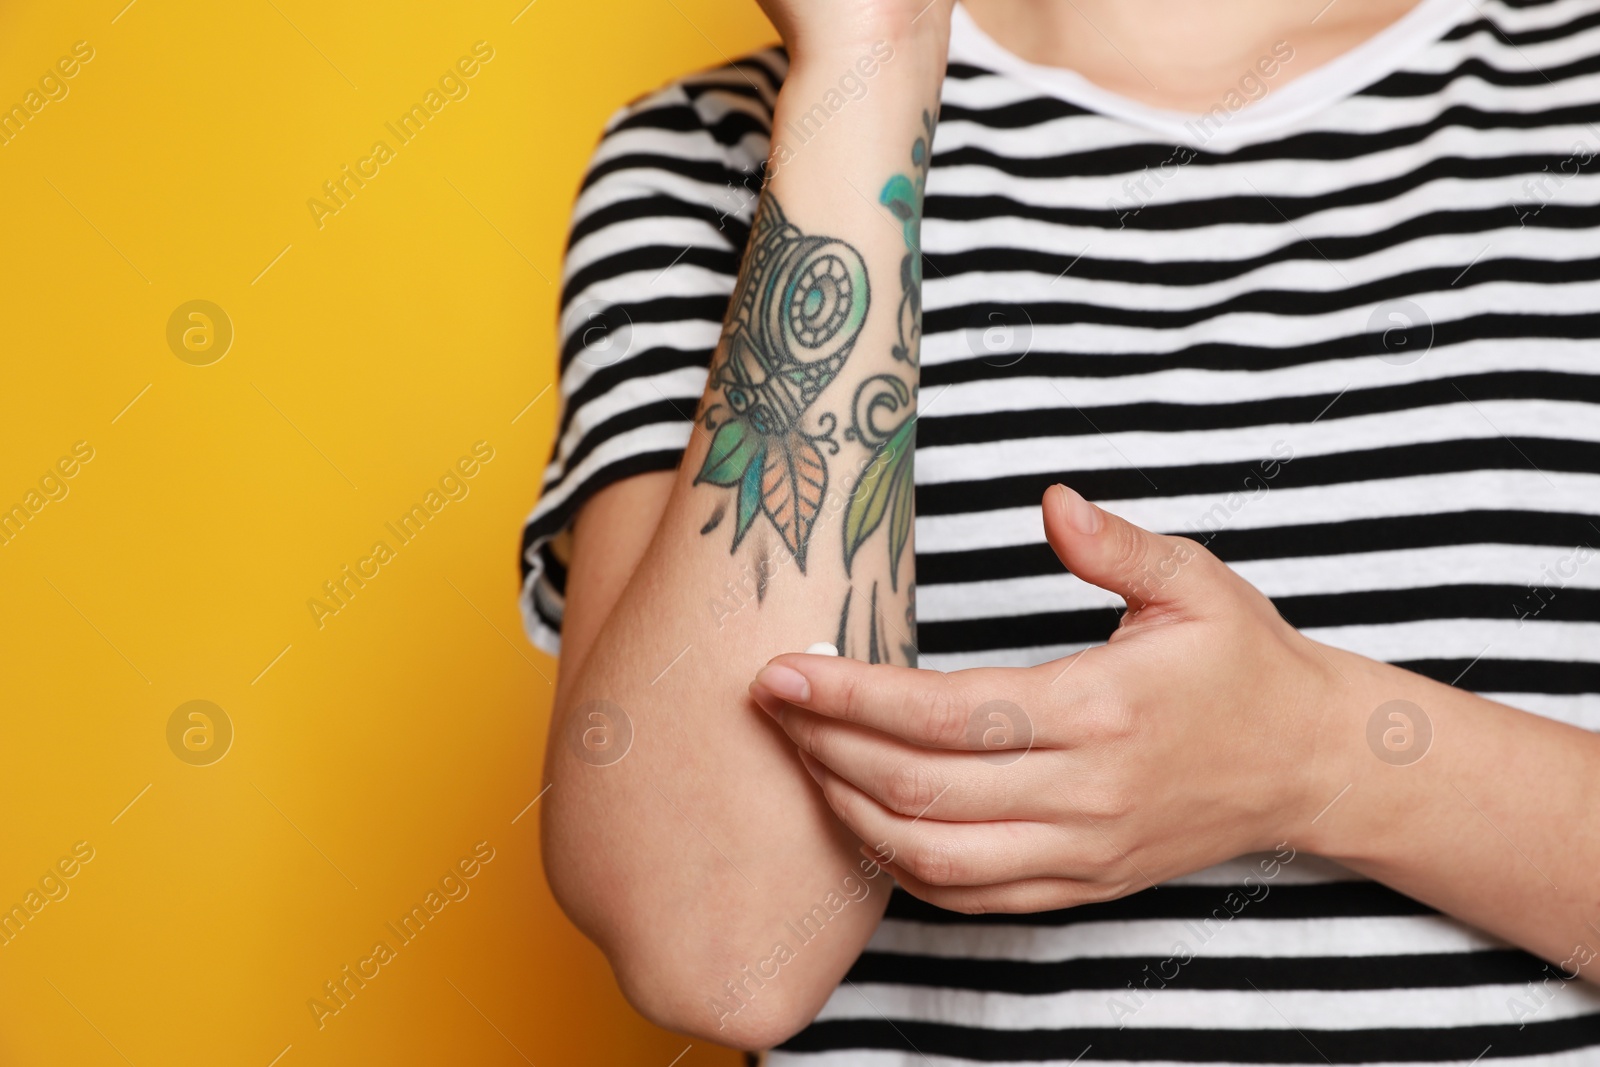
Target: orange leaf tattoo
[(793, 481)]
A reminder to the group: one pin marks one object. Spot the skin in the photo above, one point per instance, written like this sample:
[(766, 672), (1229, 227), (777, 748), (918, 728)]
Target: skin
[(1178, 54), (1206, 728)]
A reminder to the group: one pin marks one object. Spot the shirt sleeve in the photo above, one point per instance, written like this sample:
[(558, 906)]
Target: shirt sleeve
[(661, 219)]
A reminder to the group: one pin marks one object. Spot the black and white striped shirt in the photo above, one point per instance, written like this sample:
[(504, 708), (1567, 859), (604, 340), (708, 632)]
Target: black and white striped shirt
[(1345, 335)]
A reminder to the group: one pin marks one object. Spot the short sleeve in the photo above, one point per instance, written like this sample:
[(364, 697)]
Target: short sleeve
[(660, 222)]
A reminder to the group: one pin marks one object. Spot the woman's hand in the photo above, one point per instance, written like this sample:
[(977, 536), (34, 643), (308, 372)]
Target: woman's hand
[(1188, 739)]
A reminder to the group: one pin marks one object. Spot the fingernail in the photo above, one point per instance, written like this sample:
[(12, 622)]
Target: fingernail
[(784, 682), (1081, 515), (812, 766)]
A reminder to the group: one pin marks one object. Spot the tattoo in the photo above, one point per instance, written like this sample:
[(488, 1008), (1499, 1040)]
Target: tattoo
[(877, 641), (903, 196), (795, 315), (888, 488), (877, 626), (764, 572), (909, 648), (841, 643), (872, 635)]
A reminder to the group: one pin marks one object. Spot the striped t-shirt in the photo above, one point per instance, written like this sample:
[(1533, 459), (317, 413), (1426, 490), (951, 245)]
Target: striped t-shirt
[(1342, 329)]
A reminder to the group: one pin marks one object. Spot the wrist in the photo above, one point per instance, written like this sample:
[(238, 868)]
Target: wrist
[(1370, 731), (920, 46), (854, 111), (1337, 743)]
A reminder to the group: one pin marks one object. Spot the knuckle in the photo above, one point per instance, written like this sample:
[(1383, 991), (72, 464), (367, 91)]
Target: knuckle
[(911, 787), (852, 697), (1106, 801), (945, 715), (1128, 544), (846, 805), (1107, 721), (802, 730), (932, 864), (1100, 863)]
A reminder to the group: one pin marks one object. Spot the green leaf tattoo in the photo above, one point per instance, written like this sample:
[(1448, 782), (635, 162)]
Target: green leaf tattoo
[(794, 318), (732, 450), (885, 487)]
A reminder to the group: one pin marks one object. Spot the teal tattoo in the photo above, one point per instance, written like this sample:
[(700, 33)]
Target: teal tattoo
[(883, 416), (903, 196), (794, 318)]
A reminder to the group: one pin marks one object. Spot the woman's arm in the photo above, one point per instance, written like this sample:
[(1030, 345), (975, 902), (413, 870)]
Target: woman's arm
[(680, 832), (1497, 822)]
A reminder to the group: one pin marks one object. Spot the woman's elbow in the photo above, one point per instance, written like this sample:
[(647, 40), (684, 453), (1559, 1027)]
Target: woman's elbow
[(668, 970), (686, 997)]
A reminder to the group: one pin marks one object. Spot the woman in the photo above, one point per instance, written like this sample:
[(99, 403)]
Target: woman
[(1304, 295)]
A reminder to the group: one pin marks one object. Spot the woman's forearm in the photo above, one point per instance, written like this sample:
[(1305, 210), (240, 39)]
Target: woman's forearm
[(728, 898), (1490, 814)]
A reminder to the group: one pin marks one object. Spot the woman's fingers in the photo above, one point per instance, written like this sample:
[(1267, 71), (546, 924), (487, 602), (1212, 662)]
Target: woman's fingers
[(1012, 898), (981, 709), (1142, 567), (939, 853), (923, 782)]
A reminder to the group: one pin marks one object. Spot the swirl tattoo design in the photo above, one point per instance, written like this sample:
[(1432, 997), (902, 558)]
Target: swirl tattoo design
[(886, 490)]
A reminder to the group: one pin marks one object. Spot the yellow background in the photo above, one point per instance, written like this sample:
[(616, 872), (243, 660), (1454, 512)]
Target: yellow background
[(371, 754)]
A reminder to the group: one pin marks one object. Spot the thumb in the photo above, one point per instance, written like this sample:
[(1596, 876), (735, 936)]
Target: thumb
[(1103, 549)]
